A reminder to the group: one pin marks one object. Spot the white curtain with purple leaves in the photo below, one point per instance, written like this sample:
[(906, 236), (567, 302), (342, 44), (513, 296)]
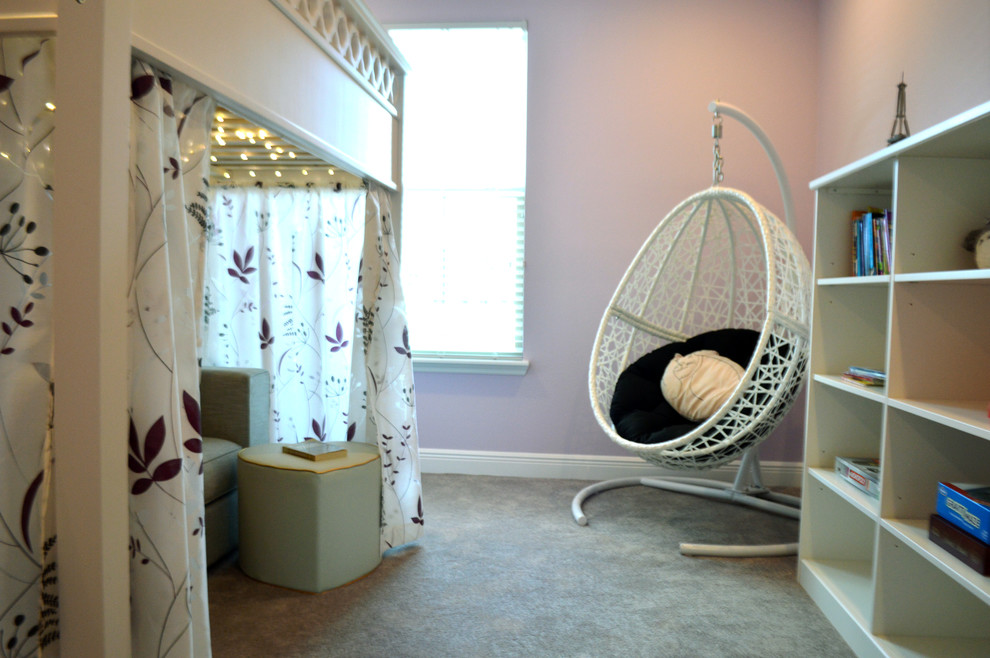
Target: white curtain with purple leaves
[(170, 125), (28, 581), (383, 400), (281, 272), (288, 273)]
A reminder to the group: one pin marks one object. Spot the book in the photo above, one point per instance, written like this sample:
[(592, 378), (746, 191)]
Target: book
[(886, 230), (861, 380), (867, 372), (967, 506), (315, 450), (864, 376), (857, 242), (862, 472), (973, 552)]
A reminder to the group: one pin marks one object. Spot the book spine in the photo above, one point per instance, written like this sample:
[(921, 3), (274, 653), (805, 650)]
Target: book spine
[(857, 248), (868, 243), (877, 252), (885, 241), (962, 511), (888, 219)]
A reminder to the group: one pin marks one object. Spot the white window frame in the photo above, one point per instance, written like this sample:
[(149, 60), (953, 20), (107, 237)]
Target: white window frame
[(470, 362)]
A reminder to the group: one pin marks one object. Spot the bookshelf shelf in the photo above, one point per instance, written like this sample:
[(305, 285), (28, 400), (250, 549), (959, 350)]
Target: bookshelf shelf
[(964, 415), (877, 393), (882, 280), (915, 532), (861, 501), (847, 580), (868, 563), (908, 645), (976, 276)]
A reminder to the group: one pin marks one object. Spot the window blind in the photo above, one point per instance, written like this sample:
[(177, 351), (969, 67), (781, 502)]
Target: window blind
[(463, 190)]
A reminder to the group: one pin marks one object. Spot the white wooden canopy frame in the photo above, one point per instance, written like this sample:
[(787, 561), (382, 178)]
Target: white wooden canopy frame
[(718, 260), (321, 73)]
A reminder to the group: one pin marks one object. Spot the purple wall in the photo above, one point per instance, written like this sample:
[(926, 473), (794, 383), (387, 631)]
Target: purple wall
[(619, 133), (942, 49)]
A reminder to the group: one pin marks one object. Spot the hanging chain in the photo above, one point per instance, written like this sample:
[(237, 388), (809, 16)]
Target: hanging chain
[(716, 151)]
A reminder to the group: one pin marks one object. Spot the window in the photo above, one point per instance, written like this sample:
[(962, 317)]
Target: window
[(463, 191)]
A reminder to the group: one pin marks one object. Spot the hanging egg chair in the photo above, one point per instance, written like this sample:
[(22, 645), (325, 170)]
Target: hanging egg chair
[(719, 272)]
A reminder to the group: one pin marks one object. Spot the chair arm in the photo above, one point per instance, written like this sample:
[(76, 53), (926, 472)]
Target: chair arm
[(234, 404)]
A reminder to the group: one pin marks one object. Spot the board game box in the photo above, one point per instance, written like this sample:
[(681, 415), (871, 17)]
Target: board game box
[(862, 472), (967, 506), (973, 552)]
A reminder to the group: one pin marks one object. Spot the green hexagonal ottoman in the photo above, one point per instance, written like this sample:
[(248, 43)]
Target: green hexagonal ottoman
[(309, 525)]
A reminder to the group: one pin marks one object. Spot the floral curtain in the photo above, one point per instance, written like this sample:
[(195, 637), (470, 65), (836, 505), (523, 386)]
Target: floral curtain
[(170, 125), (383, 401), (27, 543), (281, 271), (312, 277), (285, 269)]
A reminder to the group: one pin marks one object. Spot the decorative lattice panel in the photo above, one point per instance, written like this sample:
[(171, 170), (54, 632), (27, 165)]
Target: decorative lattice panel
[(340, 33), (718, 260)]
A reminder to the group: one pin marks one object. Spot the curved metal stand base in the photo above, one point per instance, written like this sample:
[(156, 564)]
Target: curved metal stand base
[(747, 490)]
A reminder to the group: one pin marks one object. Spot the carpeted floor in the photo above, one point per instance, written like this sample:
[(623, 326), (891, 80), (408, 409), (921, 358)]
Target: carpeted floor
[(504, 571)]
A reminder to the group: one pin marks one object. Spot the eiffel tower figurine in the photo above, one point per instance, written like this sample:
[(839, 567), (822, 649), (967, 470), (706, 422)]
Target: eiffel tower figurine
[(900, 129)]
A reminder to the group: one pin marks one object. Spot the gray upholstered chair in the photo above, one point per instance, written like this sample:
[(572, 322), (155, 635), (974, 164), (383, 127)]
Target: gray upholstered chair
[(234, 405)]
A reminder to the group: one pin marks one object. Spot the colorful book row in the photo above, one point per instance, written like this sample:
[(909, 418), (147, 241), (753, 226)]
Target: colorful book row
[(872, 231)]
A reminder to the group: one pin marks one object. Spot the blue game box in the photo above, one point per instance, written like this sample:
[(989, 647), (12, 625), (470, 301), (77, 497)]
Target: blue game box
[(967, 506)]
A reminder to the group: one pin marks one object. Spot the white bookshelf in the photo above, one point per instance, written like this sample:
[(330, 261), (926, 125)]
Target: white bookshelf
[(868, 563)]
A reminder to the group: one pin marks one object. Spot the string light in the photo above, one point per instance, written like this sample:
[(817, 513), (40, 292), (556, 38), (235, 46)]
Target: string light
[(248, 134), (50, 105)]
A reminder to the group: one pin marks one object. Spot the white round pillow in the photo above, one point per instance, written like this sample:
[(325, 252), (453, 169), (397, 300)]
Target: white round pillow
[(698, 384)]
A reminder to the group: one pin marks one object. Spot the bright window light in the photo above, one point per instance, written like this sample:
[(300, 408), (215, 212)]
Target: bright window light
[(464, 188)]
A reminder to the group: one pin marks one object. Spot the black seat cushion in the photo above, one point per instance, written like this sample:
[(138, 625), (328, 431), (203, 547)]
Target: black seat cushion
[(639, 411)]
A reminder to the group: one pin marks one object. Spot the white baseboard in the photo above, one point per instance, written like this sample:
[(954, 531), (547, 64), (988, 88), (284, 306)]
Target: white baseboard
[(584, 467)]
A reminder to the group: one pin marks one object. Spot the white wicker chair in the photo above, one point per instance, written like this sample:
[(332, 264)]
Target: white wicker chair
[(718, 260)]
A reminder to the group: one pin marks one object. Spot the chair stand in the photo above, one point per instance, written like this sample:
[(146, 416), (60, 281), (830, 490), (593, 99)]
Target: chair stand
[(747, 489)]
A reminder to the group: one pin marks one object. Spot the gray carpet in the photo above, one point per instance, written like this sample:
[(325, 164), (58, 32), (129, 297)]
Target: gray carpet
[(504, 571)]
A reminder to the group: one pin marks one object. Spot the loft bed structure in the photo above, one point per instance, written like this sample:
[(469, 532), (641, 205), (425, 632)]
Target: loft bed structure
[(321, 74)]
